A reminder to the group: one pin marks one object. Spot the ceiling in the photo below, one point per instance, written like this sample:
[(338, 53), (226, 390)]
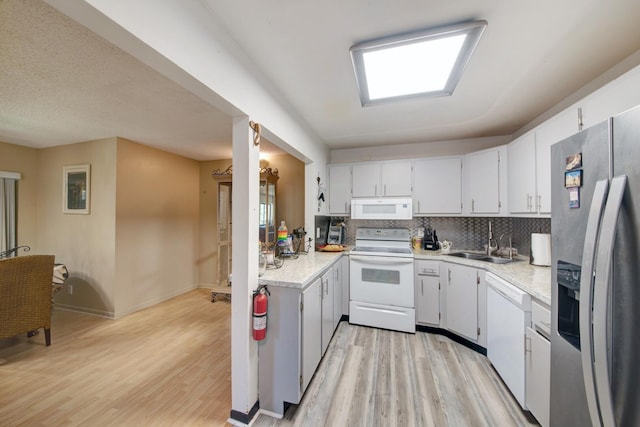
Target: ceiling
[(60, 83)]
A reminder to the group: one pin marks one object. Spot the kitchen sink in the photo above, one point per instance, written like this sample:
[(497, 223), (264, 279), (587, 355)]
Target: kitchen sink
[(482, 257)]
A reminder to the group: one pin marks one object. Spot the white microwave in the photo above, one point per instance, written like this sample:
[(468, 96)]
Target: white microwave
[(382, 208)]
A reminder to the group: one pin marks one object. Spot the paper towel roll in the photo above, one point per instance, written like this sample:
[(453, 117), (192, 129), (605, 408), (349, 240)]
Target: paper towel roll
[(541, 249)]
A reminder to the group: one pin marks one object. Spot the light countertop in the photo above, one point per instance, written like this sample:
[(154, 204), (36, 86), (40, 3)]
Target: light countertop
[(305, 269), (298, 273), (534, 280)]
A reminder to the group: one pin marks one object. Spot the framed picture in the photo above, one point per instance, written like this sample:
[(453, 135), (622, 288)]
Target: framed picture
[(573, 162), (573, 179), (76, 189)]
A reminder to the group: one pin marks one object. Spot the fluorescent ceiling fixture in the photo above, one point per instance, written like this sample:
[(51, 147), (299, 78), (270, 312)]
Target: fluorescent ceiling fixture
[(425, 63)]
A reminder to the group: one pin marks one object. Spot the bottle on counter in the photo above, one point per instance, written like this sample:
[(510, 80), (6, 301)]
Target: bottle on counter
[(282, 234)]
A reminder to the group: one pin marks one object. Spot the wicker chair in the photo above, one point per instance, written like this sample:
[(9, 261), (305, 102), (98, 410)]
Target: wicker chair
[(25, 295)]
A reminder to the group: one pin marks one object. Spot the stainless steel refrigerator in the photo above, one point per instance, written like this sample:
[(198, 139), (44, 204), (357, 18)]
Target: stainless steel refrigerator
[(595, 228)]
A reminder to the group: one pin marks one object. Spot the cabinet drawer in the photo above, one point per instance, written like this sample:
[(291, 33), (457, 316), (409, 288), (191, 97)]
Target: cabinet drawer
[(541, 318), (427, 268)]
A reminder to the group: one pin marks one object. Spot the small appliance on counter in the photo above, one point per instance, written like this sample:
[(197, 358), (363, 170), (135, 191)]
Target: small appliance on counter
[(335, 235), (430, 240), (541, 249)]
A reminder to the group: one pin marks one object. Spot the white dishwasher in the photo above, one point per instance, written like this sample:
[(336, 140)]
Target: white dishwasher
[(508, 316)]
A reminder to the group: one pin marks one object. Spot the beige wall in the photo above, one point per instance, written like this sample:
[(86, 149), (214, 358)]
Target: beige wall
[(85, 243), (290, 193), (157, 238), (15, 158)]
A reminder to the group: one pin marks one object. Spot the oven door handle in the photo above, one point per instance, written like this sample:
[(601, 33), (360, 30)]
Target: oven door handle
[(381, 260)]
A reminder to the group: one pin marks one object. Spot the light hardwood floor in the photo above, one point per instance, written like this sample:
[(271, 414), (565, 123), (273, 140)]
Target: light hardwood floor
[(169, 365), (373, 377)]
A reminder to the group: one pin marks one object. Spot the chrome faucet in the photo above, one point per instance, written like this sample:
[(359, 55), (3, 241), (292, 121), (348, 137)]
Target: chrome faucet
[(510, 248), (491, 249)]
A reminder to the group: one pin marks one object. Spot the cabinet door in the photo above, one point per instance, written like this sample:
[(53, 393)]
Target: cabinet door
[(427, 286), (556, 129), (396, 179), (327, 285), (339, 189), (483, 182), (437, 186), (366, 180), (521, 155), (462, 300), (344, 262), (337, 293), (538, 376), (311, 330)]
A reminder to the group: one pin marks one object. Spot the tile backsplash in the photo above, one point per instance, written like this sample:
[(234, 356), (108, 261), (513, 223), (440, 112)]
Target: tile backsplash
[(469, 233)]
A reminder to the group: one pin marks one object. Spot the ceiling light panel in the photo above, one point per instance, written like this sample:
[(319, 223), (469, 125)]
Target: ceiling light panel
[(426, 63)]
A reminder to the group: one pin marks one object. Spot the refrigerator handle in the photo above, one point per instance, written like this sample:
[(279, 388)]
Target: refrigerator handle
[(602, 286), (586, 296)]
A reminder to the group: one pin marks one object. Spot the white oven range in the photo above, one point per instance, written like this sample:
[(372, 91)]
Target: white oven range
[(381, 279)]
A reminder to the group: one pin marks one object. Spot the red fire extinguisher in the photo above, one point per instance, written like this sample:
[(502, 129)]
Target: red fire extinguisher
[(260, 313)]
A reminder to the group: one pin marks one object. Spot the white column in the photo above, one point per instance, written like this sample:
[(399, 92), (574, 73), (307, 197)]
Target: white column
[(245, 197)]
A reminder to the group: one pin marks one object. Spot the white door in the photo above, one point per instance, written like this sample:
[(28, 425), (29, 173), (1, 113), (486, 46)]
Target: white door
[(483, 182), (366, 180), (311, 331), (328, 290), (428, 300), (538, 376), (462, 300), (396, 179), (437, 186), (522, 174), (339, 189)]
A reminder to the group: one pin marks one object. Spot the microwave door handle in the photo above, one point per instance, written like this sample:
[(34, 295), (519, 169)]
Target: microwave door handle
[(602, 286), (586, 294)]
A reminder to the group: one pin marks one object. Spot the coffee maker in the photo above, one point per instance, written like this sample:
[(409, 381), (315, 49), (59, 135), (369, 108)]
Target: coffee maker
[(430, 240)]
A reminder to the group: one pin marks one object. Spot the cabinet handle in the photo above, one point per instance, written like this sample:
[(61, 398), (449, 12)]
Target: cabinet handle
[(473, 205), (418, 206), (527, 340), (449, 270), (422, 286), (539, 207)]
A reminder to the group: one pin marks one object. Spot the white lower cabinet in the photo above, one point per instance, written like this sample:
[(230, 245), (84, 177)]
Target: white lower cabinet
[(328, 292), (462, 284), (427, 292), (538, 365), (300, 324), (312, 311)]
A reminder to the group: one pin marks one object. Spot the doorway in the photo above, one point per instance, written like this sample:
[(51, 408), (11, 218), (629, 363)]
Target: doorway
[(224, 233)]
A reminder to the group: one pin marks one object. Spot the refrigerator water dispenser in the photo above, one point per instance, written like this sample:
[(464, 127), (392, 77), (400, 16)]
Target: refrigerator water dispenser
[(568, 281)]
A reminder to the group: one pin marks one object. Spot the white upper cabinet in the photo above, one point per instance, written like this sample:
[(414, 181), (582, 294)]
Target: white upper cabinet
[(521, 154), (382, 179), (366, 180), (485, 183), (396, 179), (340, 189), (554, 130), (437, 186)]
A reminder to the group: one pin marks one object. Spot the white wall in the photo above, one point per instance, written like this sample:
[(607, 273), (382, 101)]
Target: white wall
[(417, 150)]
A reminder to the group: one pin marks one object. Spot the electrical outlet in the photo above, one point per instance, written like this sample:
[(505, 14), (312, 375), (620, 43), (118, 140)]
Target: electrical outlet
[(70, 289)]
